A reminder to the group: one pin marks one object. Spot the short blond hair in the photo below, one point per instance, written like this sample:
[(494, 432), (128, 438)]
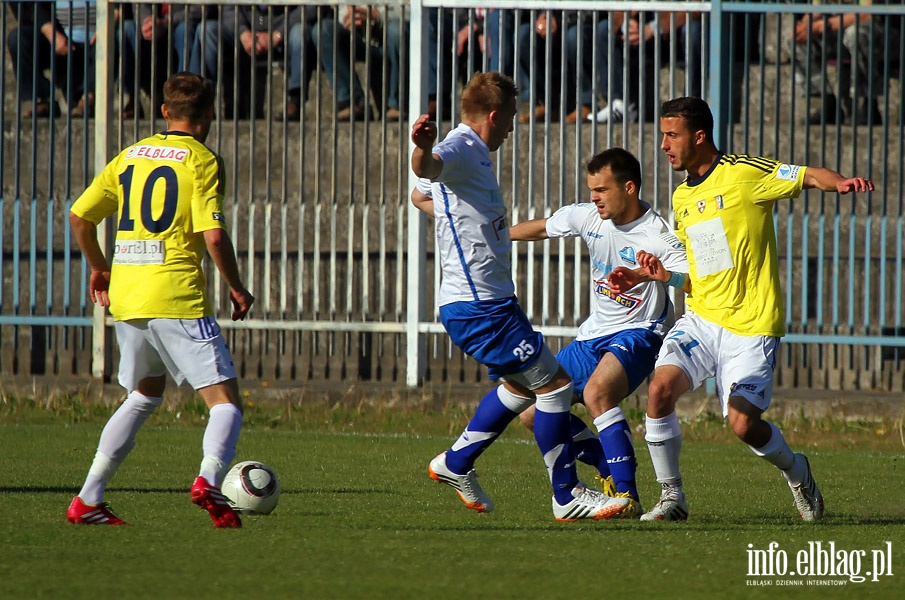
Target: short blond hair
[(487, 92)]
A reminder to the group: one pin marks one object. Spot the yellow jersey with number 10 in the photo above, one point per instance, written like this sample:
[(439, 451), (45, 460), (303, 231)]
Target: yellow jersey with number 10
[(167, 190), (725, 219)]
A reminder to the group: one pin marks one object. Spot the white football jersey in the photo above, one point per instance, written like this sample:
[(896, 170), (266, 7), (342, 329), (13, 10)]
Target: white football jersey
[(470, 218), (646, 305)]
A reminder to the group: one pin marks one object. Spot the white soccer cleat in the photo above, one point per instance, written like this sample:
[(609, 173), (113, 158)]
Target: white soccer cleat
[(588, 504), (808, 499), (671, 507), (615, 112), (466, 486)]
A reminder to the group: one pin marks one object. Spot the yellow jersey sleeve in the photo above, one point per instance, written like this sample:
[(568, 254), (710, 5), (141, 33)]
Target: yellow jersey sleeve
[(99, 201)]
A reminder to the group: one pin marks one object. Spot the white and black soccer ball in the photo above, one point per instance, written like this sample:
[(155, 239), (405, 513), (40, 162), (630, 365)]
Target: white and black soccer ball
[(252, 488)]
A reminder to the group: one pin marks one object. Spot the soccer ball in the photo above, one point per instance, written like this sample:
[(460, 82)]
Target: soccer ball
[(252, 488)]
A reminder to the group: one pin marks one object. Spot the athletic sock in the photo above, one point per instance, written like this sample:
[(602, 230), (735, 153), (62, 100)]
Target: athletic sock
[(489, 421), (587, 446), (664, 441), (777, 452), (116, 441), (616, 440), (219, 443), (552, 433)]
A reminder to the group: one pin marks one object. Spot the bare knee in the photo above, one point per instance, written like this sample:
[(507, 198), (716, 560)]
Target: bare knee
[(527, 418), (746, 423)]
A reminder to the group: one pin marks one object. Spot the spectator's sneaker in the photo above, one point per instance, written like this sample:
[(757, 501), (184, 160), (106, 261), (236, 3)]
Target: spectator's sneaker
[(671, 507), (466, 486), (214, 502), (808, 499), (588, 504), (615, 112), (80, 513)]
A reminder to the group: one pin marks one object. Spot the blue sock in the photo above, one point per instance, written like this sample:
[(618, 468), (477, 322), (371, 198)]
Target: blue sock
[(551, 431), (489, 421), (616, 440), (587, 447)]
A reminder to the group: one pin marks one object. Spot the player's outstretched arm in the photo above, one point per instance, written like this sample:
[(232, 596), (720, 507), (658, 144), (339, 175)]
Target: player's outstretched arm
[(86, 236), (828, 180), (220, 247), (529, 231), (424, 162), (622, 279)]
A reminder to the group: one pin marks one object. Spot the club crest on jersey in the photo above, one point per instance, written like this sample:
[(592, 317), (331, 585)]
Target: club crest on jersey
[(702, 204), (629, 302), (628, 254), (719, 202)]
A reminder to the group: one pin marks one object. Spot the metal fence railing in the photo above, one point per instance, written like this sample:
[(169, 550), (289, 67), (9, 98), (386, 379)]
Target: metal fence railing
[(312, 123)]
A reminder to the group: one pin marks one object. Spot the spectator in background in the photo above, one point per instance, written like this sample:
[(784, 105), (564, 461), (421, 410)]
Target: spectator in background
[(157, 36), (260, 31), (532, 43), (65, 34), (577, 28), (816, 39), (302, 57), (354, 33), (642, 29)]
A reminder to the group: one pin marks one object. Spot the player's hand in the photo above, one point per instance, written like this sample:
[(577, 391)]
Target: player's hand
[(99, 286), (652, 266), (424, 132), (855, 184), (242, 301)]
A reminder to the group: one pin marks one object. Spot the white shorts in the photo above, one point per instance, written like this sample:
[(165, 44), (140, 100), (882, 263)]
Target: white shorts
[(190, 350), (741, 365)]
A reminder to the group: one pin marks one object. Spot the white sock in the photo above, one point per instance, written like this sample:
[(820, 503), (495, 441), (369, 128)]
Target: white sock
[(117, 440), (777, 452), (219, 444), (664, 441)]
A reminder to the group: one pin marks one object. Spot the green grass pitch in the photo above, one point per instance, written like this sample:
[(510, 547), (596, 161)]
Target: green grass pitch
[(359, 518)]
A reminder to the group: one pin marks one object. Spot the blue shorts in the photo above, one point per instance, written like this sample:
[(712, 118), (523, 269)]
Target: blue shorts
[(496, 333), (635, 349)]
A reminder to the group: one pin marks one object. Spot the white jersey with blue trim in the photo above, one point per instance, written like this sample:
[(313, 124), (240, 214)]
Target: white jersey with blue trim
[(645, 306), (470, 218)]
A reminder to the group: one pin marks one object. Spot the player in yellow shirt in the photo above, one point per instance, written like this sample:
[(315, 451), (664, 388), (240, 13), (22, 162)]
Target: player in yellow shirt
[(735, 315), (167, 192)]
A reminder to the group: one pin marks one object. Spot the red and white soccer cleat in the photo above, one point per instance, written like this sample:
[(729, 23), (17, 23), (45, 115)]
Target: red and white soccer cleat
[(82, 514), (211, 499)]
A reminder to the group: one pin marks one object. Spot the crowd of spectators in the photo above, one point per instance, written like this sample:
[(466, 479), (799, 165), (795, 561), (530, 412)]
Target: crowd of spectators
[(595, 63)]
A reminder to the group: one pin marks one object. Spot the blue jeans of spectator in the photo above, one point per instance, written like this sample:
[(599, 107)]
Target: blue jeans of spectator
[(580, 64), (29, 61), (339, 68), (209, 38), (302, 60), (538, 83)]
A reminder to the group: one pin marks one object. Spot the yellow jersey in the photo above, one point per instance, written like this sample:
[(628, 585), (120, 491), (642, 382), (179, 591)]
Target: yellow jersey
[(725, 219), (167, 189)]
